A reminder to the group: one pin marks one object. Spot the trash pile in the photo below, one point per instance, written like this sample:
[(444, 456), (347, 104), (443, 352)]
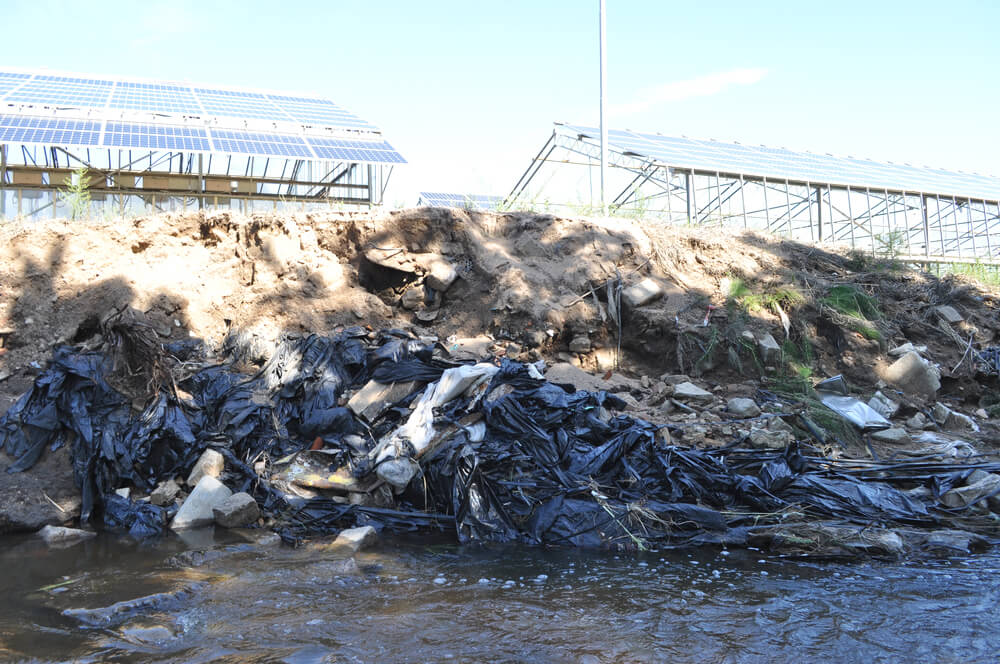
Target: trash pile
[(383, 428)]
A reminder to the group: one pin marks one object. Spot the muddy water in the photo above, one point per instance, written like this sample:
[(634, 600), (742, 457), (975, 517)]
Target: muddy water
[(225, 600)]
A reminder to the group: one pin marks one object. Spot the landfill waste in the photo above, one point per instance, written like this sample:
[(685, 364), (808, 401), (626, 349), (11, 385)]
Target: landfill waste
[(488, 450)]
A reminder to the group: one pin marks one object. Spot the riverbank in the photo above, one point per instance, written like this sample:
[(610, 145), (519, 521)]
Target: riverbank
[(716, 340)]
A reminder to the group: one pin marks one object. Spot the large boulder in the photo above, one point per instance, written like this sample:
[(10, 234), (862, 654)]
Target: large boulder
[(197, 510), (914, 375)]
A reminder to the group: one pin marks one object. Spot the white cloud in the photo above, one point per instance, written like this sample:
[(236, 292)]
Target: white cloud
[(703, 86)]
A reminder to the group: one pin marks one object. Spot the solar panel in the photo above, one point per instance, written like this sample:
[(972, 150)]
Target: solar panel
[(229, 103), (465, 201), (48, 131), (63, 91), (155, 137), (337, 149), (10, 80), (780, 164), (270, 145), (318, 111), (155, 98)]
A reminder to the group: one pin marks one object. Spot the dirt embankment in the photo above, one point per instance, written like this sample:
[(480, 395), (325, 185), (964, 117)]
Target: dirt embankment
[(528, 286)]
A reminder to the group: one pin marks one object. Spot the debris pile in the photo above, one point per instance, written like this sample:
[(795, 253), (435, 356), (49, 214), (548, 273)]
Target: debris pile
[(388, 430)]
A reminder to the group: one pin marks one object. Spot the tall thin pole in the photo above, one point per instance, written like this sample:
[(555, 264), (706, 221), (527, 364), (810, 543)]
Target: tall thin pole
[(604, 127)]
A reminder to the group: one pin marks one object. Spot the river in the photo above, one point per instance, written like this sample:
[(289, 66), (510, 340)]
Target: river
[(226, 600)]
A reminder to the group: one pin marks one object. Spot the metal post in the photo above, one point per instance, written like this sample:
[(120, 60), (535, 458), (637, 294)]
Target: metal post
[(3, 180), (871, 226), (927, 224), (718, 196), (694, 195), (687, 193), (604, 127), (819, 214), (743, 200), (972, 228), (940, 221), (201, 182), (809, 206), (850, 216), (829, 200), (986, 230), (788, 206), (767, 209), (670, 193)]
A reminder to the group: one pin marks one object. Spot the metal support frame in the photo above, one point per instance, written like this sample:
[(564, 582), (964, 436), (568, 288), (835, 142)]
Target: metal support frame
[(858, 216)]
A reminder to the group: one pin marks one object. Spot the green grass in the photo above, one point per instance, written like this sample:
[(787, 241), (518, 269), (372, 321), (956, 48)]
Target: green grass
[(986, 274), (741, 294), (859, 307)]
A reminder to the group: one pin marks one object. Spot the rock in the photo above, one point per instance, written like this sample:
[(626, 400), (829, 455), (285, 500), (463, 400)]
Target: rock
[(124, 492), (580, 344), (949, 314), (280, 251), (412, 298), (674, 379), (914, 375), (164, 493), (770, 351), (741, 407), (568, 374), (375, 398), (427, 315), (357, 443), (535, 338), (690, 392), (769, 440), (952, 420), (947, 541), (398, 472), (211, 464), (60, 535), (641, 293), (894, 435), (918, 421), (899, 351), (970, 493), (440, 274), (982, 414), (883, 405), (394, 258), (239, 509), (355, 539), (197, 509)]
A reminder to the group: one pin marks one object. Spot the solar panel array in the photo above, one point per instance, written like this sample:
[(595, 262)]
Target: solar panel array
[(171, 127), (48, 131), (466, 201), (780, 164), (155, 137)]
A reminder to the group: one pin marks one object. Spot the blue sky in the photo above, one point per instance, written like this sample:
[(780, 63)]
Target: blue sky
[(468, 91)]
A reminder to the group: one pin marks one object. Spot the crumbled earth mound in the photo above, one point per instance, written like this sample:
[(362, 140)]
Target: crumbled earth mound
[(645, 311)]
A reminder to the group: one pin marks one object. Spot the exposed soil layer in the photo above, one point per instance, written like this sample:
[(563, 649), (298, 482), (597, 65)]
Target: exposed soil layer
[(529, 286)]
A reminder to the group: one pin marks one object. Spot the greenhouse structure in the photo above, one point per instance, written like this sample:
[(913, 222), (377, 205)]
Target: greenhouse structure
[(122, 145), (910, 212)]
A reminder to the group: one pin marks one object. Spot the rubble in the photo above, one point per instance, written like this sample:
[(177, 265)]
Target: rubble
[(642, 293), (235, 511), (741, 407), (197, 510), (770, 351), (949, 314), (914, 375), (883, 405), (210, 464), (355, 539), (688, 391), (62, 535), (165, 492)]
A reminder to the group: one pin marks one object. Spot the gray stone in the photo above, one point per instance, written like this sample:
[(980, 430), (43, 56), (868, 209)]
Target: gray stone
[(883, 405), (580, 344), (982, 414), (375, 398), (641, 293), (674, 379), (893, 435), (914, 375), (197, 509), (899, 351), (164, 493), (237, 510), (398, 472), (769, 440), (355, 539), (963, 496), (124, 492), (357, 443), (918, 421), (691, 392), (60, 535), (412, 298), (770, 351), (210, 464), (440, 274), (742, 407), (949, 314)]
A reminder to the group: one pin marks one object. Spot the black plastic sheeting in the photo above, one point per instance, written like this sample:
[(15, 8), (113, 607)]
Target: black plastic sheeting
[(555, 466)]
